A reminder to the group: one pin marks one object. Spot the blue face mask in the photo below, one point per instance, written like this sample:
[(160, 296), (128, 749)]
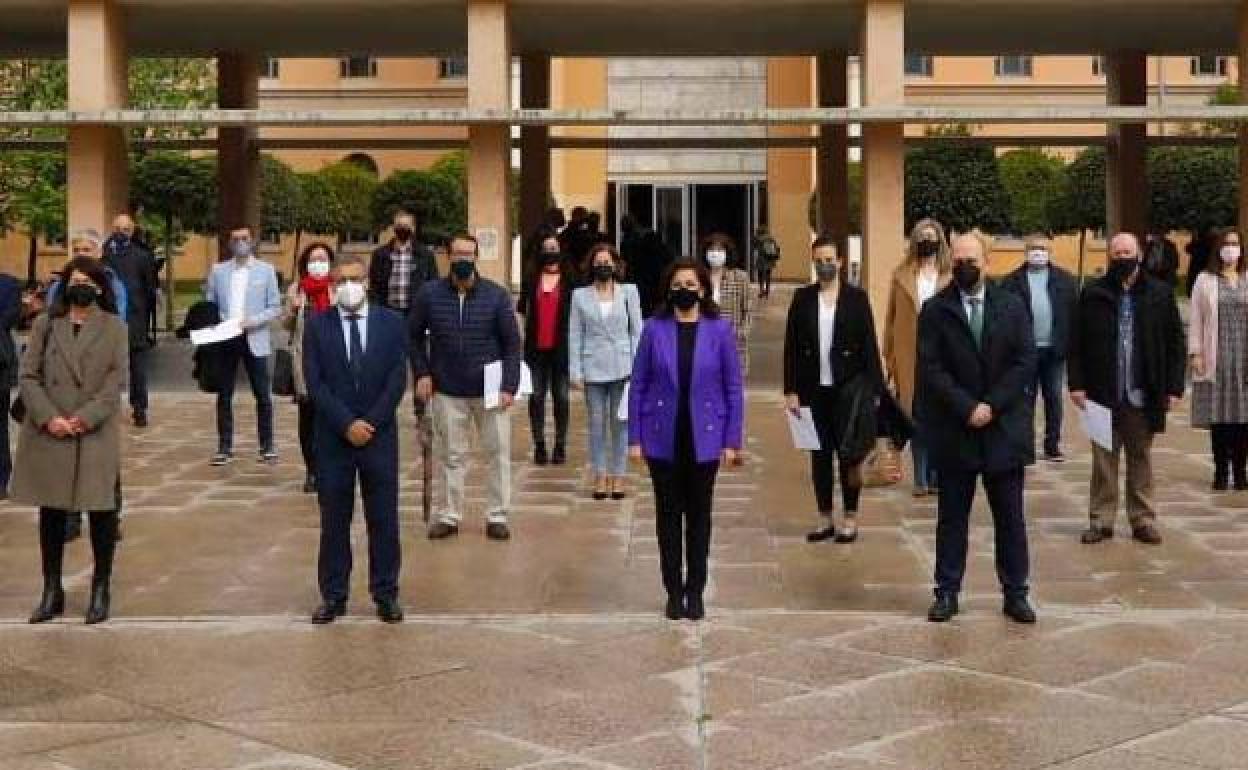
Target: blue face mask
[(463, 269)]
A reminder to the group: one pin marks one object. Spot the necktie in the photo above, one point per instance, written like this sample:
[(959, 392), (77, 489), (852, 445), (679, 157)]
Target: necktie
[(357, 349), (977, 320)]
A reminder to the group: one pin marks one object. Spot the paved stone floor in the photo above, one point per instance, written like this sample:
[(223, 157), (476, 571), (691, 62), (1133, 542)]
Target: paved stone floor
[(549, 652)]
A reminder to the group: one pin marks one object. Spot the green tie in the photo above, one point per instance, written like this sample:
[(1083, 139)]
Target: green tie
[(977, 320)]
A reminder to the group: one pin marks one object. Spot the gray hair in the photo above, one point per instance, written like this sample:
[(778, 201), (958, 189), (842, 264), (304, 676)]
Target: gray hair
[(89, 235)]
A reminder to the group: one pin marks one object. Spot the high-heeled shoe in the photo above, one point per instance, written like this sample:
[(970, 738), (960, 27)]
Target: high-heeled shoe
[(51, 604)]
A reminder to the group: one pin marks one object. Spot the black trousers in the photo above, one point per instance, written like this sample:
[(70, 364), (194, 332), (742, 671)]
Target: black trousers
[(683, 491), (1230, 450), (550, 375), (6, 458), (1005, 496), (376, 465), (825, 463), (307, 433), (764, 279), (138, 380), (52, 541), (233, 353)]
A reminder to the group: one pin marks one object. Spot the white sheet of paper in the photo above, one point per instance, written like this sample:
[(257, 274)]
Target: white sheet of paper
[(621, 414), (1098, 423), (226, 330), (494, 383), (802, 426)]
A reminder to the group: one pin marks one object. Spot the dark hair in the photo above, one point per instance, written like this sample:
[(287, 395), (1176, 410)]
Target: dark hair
[(476, 247), (302, 267), (600, 247), (555, 218), (724, 241), (1214, 264), (823, 241), (93, 269), (533, 258), (706, 305)]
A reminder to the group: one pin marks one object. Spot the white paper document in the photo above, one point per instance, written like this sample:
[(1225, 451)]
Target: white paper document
[(621, 414), (1098, 423), (226, 330), (802, 426), (494, 383)]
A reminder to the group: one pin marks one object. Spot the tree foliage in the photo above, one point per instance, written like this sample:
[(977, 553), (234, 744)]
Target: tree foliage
[(957, 184), (1033, 181), (438, 201), (354, 188), (1192, 188)]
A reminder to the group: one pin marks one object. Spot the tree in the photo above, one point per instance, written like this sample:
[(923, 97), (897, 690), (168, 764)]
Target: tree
[(1080, 203), (1032, 180), (1192, 188), (354, 188), (171, 84), (437, 200), (37, 203), (958, 185), (279, 197), (181, 192), (320, 211)]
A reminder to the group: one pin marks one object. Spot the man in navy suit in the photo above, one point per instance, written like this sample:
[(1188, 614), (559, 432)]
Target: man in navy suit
[(355, 361)]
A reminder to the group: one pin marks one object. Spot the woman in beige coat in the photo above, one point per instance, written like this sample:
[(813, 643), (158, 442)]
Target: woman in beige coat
[(926, 271), (311, 293), (69, 452)]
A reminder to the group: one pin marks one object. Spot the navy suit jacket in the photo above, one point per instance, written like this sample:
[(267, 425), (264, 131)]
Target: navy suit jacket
[(333, 390)]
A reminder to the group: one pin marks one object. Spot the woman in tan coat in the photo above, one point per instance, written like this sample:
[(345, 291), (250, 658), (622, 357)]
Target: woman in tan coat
[(926, 271), (69, 453)]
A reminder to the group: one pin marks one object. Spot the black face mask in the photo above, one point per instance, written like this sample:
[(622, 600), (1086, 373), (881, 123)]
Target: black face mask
[(927, 249), (1121, 269), (966, 275), (604, 273), (683, 299), (403, 233), (463, 269), (81, 295), (551, 257)]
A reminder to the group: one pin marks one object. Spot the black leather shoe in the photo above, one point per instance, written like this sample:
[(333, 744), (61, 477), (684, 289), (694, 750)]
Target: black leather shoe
[(97, 610), (819, 535), (440, 530), (309, 484), (539, 455), (694, 609), (328, 612), (389, 611), (1019, 610), (51, 605), (497, 530), (1094, 535), (849, 532), (140, 419), (943, 609), (675, 609), (559, 456), (73, 527)]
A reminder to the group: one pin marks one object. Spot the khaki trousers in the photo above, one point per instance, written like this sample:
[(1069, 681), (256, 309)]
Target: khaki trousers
[(454, 420), (1134, 437)]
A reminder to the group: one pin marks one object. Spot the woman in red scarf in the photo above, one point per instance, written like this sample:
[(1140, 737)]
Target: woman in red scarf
[(309, 295)]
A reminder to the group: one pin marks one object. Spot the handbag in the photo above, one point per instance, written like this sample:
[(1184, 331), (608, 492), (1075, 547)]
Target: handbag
[(880, 468)]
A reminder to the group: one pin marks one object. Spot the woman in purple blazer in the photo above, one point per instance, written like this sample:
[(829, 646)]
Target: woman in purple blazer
[(685, 410)]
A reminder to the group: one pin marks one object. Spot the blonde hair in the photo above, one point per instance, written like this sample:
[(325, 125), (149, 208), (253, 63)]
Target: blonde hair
[(943, 261)]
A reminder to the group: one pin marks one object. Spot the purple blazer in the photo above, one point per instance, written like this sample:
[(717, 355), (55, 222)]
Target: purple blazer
[(717, 401)]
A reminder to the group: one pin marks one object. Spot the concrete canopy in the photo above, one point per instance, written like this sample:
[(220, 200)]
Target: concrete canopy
[(637, 27)]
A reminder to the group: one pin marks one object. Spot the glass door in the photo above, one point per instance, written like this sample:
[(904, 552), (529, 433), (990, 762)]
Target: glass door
[(671, 217)]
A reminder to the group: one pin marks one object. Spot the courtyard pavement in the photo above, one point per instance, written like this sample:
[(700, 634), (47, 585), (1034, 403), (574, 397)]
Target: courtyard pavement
[(550, 652)]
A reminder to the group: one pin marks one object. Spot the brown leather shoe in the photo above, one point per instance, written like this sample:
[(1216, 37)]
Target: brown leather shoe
[(1147, 534), (1094, 535)]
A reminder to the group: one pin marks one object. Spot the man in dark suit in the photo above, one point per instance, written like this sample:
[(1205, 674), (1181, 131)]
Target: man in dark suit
[(10, 311), (355, 362), (133, 263), (977, 363)]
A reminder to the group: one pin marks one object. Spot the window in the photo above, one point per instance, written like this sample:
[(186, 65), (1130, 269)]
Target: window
[(918, 66), (1012, 66), (357, 67), (453, 67), (1098, 66), (270, 68), (1209, 66)]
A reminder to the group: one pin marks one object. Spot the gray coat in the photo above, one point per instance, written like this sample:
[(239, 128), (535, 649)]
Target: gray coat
[(67, 375), (602, 349)]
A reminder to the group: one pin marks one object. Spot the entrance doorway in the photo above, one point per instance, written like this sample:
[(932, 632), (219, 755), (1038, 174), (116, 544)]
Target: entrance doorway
[(684, 213)]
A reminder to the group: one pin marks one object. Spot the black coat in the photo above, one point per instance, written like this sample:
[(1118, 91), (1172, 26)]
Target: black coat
[(207, 366), (954, 376), (526, 305), (135, 267), (1063, 296), (1159, 346), (854, 349), (424, 268)]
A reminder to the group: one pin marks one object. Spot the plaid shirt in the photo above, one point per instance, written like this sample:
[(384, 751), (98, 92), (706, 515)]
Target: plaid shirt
[(400, 276)]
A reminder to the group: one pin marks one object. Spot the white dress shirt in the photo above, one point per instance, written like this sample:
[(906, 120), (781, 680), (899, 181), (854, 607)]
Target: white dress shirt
[(966, 302), (238, 291), (827, 332), (362, 323)]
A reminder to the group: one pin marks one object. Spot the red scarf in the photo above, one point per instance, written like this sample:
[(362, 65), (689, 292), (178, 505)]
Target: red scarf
[(317, 292)]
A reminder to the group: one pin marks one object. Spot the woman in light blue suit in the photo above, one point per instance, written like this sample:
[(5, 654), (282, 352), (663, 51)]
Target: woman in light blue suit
[(604, 329)]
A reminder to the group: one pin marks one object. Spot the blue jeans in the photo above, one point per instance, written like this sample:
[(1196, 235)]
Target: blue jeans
[(607, 433), (1051, 378), (257, 368)]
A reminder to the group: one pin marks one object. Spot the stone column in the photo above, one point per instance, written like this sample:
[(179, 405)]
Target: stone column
[(96, 155), (833, 169), (883, 145), (1126, 207), (790, 170), (534, 144), (238, 155), (489, 146)]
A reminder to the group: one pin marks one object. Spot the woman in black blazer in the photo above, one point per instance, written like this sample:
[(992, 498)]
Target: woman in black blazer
[(830, 349)]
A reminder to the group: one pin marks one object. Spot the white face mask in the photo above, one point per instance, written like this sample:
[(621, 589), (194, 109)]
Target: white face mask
[(1230, 254), (350, 295), (1038, 258), (318, 269), (716, 258)]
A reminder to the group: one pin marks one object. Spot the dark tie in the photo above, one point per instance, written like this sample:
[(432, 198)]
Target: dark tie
[(977, 320), (357, 350)]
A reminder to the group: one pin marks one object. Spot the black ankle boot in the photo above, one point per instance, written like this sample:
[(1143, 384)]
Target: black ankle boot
[(539, 454), (51, 604), (97, 610), (560, 455)]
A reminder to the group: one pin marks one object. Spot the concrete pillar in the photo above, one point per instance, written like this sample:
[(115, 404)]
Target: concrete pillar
[(833, 169), (534, 144), (489, 146), (1242, 74), (238, 155), (1126, 205), (790, 170), (579, 177), (96, 155), (883, 148)]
